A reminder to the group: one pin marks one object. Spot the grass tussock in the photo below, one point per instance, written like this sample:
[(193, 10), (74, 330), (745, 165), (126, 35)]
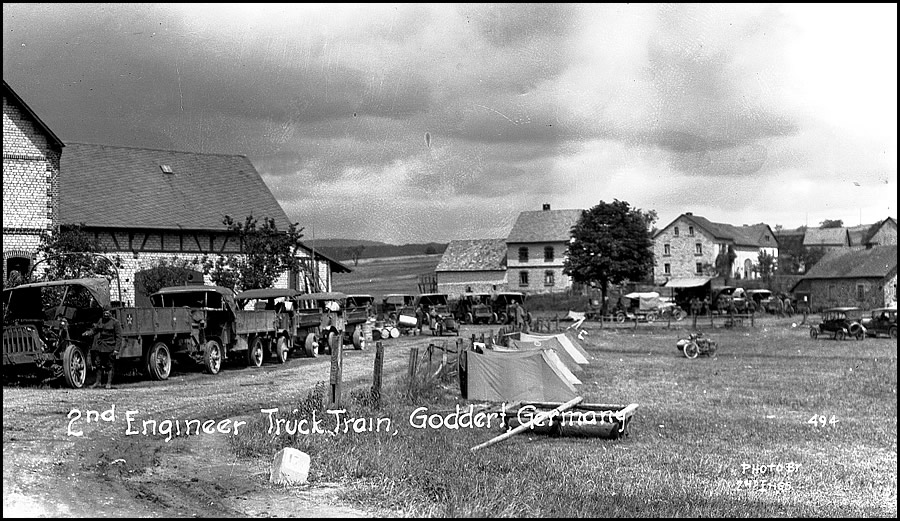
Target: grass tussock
[(712, 437)]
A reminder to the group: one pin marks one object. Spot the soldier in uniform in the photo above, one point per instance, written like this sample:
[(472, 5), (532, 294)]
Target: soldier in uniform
[(107, 333)]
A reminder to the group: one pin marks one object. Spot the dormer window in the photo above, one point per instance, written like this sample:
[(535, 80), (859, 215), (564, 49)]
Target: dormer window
[(166, 169)]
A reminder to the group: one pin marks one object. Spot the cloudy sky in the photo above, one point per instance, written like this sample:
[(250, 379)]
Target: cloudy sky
[(411, 123)]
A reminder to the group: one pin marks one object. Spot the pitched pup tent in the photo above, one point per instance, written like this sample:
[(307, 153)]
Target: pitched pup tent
[(516, 376)]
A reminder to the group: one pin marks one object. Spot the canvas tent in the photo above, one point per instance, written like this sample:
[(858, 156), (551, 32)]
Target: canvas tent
[(571, 346), (518, 376), (548, 343)]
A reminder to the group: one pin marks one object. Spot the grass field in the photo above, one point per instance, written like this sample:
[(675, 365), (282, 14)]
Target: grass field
[(385, 275), (777, 424)]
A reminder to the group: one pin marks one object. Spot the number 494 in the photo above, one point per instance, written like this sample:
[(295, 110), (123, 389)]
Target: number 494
[(822, 420)]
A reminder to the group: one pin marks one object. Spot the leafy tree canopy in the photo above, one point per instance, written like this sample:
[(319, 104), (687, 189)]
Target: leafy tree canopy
[(611, 243), (832, 223), (71, 252), (267, 253)]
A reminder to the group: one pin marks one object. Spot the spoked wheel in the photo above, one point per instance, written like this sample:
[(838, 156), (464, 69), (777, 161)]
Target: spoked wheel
[(651, 318), (74, 367), (839, 335), (159, 361), (310, 346), (620, 318), (212, 357), (813, 333), (469, 318), (256, 353), (691, 350), (893, 333), (680, 315), (281, 349)]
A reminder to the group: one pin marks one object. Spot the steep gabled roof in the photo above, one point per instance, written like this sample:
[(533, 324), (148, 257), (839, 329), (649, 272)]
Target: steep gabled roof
[(8, 91), (876, 262), (875, 228), (474, 255), (544, 226), (125, 187), (826, 237), (753, 235)]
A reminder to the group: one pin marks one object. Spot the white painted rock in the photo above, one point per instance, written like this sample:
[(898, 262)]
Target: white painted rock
[(290, 466)]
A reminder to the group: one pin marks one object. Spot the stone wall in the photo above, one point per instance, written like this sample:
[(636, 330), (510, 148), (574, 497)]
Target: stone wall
[(30, 183), (682, 257), (454, 283), (536, 266)]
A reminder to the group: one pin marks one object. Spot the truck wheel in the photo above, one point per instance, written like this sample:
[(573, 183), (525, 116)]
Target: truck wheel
[(256, 353), (359, 342), (839, 335), (893, 333), (281, 349), (813, 333), (679, 315), (212, 357), (469, 318), (310, 346), (651, 318), (504, 318), (74, 367), (620, 318), (159, 361), (494, 318)]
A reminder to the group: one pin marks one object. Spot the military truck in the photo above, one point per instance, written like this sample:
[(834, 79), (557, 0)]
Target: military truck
[(223, 330), (44, 323), (474, 308)]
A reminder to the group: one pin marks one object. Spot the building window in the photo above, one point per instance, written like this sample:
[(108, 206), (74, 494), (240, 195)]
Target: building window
[(523, 254), (676, 231), (523, 278), (667, 268), (666, 250), (549, 278), (860, 292), (831, 292), (766, 237), (699, 268), (548, 254), (698, 249), (691, 231)]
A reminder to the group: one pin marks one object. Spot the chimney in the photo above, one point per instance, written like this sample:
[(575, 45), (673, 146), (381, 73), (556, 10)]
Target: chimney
[(546, 207), (688, 213)]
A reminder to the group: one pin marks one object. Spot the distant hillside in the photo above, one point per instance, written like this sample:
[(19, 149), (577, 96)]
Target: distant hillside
[(343, 249)]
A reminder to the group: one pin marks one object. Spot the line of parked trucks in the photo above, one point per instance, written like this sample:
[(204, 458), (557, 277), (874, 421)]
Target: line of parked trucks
[(44, 323)]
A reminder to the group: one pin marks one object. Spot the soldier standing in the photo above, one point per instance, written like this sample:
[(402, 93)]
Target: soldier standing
[(107, 333)]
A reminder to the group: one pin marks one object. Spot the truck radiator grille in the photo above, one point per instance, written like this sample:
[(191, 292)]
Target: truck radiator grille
[(21, 339)]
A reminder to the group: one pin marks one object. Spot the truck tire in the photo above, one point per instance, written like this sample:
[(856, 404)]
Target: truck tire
[(494, 318), (159, 361), (257, 352), (212, 357), (359, 342), (74, 367), (281, 349), (469, 318), (310, 346), (893, 333)]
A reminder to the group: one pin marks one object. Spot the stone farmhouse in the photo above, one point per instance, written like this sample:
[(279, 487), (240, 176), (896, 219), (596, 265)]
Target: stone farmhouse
[(536, 250), (144, 205), (688, 246), (473, 265), (31, 153), (865, 278)]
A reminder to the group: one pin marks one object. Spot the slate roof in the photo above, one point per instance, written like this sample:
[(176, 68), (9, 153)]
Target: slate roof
[(752, 235), (826, 237), (876, 262), (9, 92), (474, 255), (544, 226), (124, 187)]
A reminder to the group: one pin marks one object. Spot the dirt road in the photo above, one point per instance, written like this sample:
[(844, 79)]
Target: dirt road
[(49, 470)]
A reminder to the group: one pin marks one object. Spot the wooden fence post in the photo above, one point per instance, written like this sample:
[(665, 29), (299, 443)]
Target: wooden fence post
[(379, 366), (337, 362), (413, 362)]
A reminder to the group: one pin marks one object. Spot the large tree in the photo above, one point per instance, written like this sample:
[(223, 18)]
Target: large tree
[(267, 252), (831, 223), (611, 243)]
